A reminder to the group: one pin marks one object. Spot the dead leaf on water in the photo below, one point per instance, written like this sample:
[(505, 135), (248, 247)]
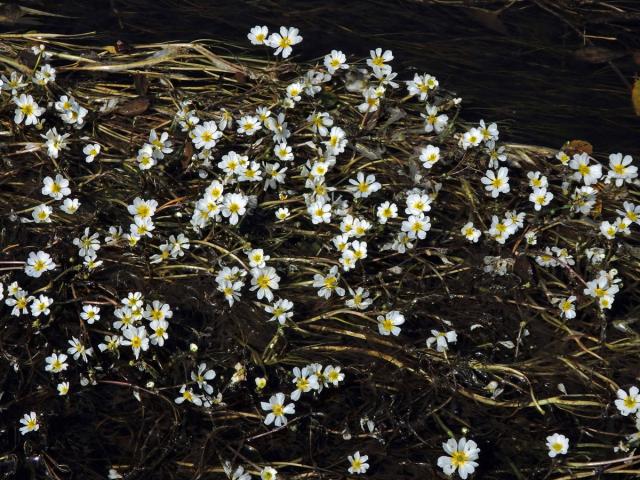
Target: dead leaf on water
[(136, 106), (635, 96), (597, 54), (574, 147)]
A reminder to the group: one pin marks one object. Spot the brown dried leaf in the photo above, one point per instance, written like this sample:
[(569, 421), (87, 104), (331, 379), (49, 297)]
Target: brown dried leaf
[(134, 107), (597, 54), (635, 96), (578, 146)]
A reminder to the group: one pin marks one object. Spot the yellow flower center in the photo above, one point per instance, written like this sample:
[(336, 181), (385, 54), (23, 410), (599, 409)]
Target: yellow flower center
[(143, 210), (459, 458)]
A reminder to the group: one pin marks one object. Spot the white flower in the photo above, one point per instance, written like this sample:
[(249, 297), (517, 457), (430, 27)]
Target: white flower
[(55, 142), (470, 232), (57, 188), (563, 158), (628, 402), (157, 311), (620, 169), (294, 90), (488, 132), (320, 122), (332, 375), (205, 136), (471, 138), (88, 244), (328, 284), (234, 206), (90, 314), (631, 212), (45, 75), (41, 305), (557, 444), (337, 141), (258, 35), (357, 463), (371, 100), (417, 226), (540, 197), (202, 377), (264, 280), (12, 84), (38, 263), (609, 230), (359, 299), (142, 209), (63, 388), (161, 144), (188, 395), (91, 151), (386, 211), (279, 128), (442, 339), (284, 40), (421, 85), (30, 422), (461, 456), (282, 213), (42, 214), (248, 125), (320, 212), (429, 156), (418, 203), (388, 324), (280, 311), (56, 363), (496, 182), (379, 59), (268, 473), (283, 152), (145, 157), (335, 61), (277, 410), (70, 205), (78, 350), (566, 306), (537, 180), (27, 110), (589, 174), (137, 338), (305, 381), (432, 121), (160, 334), (364, 186)]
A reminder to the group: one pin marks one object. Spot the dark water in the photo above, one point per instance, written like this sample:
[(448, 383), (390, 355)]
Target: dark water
[(525, 68)]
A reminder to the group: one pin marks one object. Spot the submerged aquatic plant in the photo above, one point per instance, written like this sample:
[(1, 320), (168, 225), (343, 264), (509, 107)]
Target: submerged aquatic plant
[(243, 254)]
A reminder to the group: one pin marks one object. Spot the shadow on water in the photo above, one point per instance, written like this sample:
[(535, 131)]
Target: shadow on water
[(548, 71)]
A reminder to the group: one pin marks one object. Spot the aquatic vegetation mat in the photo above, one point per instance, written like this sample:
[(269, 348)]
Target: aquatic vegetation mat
[(217, 266)]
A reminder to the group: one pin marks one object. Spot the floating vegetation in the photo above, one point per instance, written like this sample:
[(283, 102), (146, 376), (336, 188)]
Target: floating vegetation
[(215, 265)]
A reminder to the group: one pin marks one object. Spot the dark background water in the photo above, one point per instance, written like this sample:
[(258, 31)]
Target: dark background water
[(547, 70)]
